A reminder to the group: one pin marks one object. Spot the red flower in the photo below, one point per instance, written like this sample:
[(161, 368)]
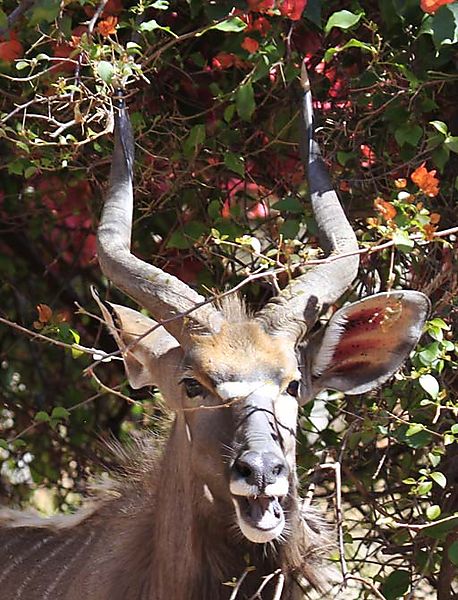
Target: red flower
[(262, 25), (250, 45), (293, 8), (11, 49), (369, 156), (430, 6)]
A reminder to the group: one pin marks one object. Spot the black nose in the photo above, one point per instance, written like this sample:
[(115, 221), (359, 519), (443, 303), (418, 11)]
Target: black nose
[(260, 468)]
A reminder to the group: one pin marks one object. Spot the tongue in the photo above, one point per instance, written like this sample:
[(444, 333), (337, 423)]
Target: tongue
[(264, 511)]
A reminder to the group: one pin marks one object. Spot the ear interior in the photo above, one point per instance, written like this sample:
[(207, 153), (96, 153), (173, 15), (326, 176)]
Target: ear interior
[(366, 342), (141, 341)]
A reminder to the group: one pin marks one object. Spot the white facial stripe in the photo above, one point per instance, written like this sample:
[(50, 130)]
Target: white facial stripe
[(279, 488), (242, 389), (240, 487)]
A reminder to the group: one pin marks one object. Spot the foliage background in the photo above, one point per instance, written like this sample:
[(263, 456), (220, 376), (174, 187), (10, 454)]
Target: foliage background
[(220, 198)]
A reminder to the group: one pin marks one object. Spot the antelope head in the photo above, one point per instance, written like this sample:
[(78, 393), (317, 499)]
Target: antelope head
[(236, 381)]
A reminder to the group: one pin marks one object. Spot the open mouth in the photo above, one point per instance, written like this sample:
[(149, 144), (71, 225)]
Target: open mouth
[(260, 518)]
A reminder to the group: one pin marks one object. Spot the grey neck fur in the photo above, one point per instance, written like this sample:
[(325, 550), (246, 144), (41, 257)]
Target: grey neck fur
[(153, 536)]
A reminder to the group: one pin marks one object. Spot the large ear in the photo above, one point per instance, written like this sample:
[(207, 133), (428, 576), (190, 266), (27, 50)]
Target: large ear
[(364, 343), (141, 341)]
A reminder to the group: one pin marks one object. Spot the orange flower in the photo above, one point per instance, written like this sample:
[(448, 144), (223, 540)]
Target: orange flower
[(44, 313), (434, 218), (385, 209), (431, 6), (400, 183), (250, 45), (426, 180), (429, 231), (108, 26)]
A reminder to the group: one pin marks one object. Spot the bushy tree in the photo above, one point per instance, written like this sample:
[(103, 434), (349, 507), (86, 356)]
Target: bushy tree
[(220, 200)]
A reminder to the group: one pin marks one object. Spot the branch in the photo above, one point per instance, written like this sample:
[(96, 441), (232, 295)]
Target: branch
[(16, 14)]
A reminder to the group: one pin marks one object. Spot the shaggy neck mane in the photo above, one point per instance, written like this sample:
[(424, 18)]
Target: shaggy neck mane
[(182, 544), (155, 534)]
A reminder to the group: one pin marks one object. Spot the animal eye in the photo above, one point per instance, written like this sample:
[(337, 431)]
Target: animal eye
[(293, 388), (193, 387)]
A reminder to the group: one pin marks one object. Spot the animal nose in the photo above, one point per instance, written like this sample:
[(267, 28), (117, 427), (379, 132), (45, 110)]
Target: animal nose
[(260, 468)]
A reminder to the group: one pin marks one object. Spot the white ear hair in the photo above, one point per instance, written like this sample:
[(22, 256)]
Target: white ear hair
[(365, 343)]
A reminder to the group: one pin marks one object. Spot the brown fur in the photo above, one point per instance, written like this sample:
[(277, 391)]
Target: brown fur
[(152, 535)]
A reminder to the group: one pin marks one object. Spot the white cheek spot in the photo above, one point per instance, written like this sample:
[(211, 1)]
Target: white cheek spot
[(188, 433), (208, 494), (243, 389), (286, 409)]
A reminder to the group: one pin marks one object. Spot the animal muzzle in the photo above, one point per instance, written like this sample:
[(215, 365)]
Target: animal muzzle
[(259, 484)]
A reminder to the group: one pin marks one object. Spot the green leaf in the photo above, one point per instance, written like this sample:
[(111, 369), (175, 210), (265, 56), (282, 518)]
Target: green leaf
[(195, 138), (4, 444), (402, 241), (445, 25), (344, 157), (22, 64), (343, 19), (408, 134), (244, 101), (414, 428), (160, 5), (433, 512), (439, 478), (150, 25), (424, 488), (235, 163), (429, 384), (187, 236), (437, 322), (44, 10), (440, 126), (396, 584), (453, 553), (289, 204), (454, 429), (105, 70), (235, 24), (229, 113), (441, 530), (42, 417), (452, 143), (429, 354), (59, 412), (353, 43), (290, 228), (3, 20)]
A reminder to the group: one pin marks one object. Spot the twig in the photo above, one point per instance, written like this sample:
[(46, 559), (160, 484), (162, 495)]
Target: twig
[(279, 587), (238, 585), (368, 584), (267, 578), (16, 14), (35, 335), (335, 466)]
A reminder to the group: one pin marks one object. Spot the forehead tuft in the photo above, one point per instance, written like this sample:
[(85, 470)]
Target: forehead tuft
[(243, 351)]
